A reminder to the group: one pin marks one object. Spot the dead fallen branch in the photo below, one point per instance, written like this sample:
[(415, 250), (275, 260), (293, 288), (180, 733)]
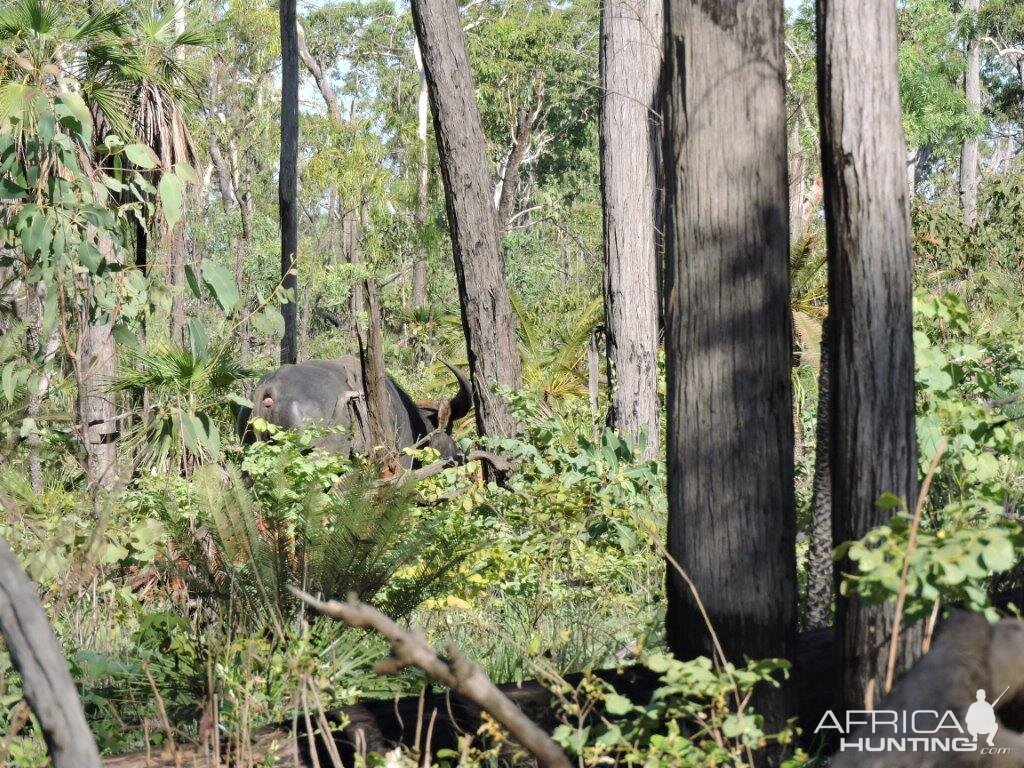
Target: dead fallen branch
[(410, 649), (47, 683)]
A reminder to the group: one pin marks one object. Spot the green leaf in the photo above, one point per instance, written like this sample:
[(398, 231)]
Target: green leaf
[(889, 501), (616, 704), (141, 156), (186, 173), (999, 555), (221, 285), (269, 322), (170, 191), (124, 336), (193, 281), (76, 106), (197, 339), (191, 428)]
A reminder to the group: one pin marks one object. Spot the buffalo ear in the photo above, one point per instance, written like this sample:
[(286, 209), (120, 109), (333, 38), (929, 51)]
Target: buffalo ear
[(429, 412)]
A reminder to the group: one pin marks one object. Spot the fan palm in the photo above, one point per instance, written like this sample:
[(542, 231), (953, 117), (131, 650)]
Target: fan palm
[(186, 389)]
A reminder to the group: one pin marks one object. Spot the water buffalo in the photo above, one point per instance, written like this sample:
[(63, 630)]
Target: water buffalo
[(329, 393)]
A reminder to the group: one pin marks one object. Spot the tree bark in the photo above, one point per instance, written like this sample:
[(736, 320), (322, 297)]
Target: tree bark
[(972, 90), (287, 175), (375, 379), (630, 65), (819, 555), (95, 367), (48, 687), (526, 119), (487, 318), (316, 69), (731, 519), (871, 351), (419, 265)]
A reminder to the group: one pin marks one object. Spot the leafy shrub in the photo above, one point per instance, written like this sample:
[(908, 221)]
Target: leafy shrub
[(698, 715)]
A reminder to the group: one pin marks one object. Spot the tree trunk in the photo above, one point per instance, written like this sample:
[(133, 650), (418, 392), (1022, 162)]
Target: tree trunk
[(176, 251), (49, 690), (871, 351), (95, 367), (630, 66), (797, 185), (316, 69), (819, 555), (419, 265), (972, 90), (594, 382), (526, 119), (487, 318), (287, 175), (732, 515), (375, 381)]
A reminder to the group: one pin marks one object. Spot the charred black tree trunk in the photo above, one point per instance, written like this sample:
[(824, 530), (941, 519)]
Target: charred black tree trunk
[(871, 350), (731, 519), (287, 175), (487, 318)]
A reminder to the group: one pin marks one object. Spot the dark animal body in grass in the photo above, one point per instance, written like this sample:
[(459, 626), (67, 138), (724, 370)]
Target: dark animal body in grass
[(330, 394)]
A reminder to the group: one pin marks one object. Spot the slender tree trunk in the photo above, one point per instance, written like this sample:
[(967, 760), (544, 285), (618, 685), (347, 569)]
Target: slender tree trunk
[(871, 350), (972, 90), (176, 252), (419, 266), (732, 513), (287, 175), (95, 367), (317, 70), (42, 345), (797, 185), (375, 381), (487, 318), (630, 66), (594, 382), (819, 555), (526, 119)]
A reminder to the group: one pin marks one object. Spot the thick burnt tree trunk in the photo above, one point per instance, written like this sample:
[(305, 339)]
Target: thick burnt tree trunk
[(731, 519), (487, 318), (287, 175), (871, 351), (972, 90), (49, 690), (630, 67)]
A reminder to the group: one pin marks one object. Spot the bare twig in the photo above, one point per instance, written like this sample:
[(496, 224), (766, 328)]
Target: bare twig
[(901, 597), (411, 649)]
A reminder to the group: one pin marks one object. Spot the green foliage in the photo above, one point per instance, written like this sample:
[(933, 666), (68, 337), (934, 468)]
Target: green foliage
[(952, 563), (328, 535), (696, 716), (969, 377), (187, 389)]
